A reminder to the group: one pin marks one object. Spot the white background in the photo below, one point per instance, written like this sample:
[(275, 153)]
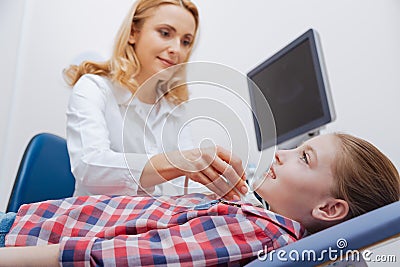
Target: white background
[(360, 40)]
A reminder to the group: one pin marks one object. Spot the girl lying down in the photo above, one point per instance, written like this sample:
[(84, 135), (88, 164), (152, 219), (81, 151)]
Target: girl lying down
[(329, 179)]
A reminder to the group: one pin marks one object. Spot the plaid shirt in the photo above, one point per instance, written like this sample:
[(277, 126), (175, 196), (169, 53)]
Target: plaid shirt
[(134, 231)]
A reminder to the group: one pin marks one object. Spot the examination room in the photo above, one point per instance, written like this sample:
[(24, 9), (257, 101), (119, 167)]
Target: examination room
[(199, 133)]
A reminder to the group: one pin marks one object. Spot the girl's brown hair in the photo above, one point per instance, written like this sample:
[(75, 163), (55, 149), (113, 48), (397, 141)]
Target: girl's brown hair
[(365, 177), (124, 65)]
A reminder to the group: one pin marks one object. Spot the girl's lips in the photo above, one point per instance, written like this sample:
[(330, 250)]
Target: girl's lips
[(270, 173)]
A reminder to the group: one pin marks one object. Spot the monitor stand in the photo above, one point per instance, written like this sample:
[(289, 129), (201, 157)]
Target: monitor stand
[(298, 140)]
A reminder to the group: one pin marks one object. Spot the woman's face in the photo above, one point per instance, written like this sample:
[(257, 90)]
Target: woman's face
[(300, 178), (165, 39)]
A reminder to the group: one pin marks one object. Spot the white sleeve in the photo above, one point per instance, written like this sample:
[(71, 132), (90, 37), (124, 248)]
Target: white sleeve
[(98, 168)]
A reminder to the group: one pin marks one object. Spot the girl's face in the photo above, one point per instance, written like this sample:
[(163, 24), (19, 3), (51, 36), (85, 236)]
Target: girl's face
[(300, 179), (165, 39)]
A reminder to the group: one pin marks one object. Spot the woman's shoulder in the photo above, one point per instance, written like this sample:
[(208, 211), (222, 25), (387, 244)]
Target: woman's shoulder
[(93, 84), (99, 81)]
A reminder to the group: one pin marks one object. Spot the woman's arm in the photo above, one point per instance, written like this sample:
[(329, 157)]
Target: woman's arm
[(94, 127), (92, 160), (30, 256)]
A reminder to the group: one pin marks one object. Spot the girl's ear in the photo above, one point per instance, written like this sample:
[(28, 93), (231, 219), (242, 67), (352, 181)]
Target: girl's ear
[(331, 209)]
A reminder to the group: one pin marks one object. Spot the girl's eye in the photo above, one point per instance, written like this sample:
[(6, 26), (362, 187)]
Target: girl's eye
[(305, 157)]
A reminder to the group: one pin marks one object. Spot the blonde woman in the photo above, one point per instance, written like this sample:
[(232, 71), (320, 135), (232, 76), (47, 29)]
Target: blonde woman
[(156, 35)]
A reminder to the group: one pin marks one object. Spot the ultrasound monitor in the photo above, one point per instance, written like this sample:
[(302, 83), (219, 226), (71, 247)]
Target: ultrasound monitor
[(295, 85)]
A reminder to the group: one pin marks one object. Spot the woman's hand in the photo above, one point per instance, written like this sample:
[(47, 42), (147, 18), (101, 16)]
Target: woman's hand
[(215, 167)]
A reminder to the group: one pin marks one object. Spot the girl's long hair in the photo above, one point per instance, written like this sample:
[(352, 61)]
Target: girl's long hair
[(365, 177)]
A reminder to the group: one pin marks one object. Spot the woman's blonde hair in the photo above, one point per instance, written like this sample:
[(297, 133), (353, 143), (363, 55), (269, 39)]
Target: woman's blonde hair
[(124, 65), (365, 177)]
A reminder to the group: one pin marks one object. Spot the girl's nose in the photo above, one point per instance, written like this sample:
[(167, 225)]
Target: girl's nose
[(278, 157)]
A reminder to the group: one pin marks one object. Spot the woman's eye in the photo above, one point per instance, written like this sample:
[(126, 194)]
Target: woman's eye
[(186, 43), (164, 33), (305, 157)]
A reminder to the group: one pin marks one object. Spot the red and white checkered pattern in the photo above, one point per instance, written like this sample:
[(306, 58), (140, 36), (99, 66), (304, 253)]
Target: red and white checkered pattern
[(137, 231)]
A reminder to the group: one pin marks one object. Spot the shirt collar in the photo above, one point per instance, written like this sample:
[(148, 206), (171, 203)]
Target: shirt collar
[(292, 227)]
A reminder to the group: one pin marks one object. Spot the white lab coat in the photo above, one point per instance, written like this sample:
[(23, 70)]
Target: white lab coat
[(101, 161)]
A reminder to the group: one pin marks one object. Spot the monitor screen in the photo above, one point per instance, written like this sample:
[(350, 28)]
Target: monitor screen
[(294, 84)]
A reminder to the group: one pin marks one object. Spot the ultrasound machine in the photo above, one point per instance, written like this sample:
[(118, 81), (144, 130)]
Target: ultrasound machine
[(295, 85)]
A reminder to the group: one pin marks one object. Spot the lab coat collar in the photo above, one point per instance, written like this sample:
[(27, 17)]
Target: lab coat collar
[(124, 97), (165, 107), (122, 94)]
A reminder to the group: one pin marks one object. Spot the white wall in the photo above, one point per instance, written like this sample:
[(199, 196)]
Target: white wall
[(360, 39)]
